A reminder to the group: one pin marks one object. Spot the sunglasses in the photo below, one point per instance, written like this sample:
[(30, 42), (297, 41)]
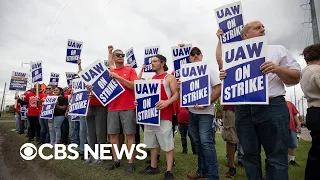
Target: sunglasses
[(120, 55), (195, 53)]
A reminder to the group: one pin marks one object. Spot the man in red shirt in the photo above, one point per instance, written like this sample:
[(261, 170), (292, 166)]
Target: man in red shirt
[(121, 111), (294, 126), (156, 137), (33, 112)]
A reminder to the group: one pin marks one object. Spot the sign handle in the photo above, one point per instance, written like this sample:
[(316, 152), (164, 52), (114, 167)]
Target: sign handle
[(37, 89), (16, 94)]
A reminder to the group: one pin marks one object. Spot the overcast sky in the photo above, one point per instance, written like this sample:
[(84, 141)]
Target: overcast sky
[(38, 30)]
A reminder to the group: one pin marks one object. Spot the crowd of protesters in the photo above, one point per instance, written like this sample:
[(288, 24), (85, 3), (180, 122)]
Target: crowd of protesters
[(245, 127)]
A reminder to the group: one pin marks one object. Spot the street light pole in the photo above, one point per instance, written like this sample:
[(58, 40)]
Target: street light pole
[(29, 76)]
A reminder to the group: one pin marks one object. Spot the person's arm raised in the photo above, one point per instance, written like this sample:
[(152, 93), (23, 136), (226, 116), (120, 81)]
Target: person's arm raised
[(110, 57), (219, 49), (141, 71), (79, 65)]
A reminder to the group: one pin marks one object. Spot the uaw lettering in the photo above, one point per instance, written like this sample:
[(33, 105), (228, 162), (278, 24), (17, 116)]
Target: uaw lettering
[(54, 79), (180, 56), (104, 88), (79, 101), (48, 107), (245, 83), (195, 85), (36, 71), (131, 59), (73, 51), (19, 81), (147, 93), (230, 20), (149, 52), (70, 76)]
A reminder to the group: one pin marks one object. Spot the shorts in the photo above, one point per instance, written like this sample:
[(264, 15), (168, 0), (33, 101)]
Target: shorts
[(125, 119), (159, 136), (229, 133), (293, 142)]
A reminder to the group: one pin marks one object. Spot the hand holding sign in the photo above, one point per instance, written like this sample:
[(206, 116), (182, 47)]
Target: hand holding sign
[(162, 104), (219, 33), (200, 107), (268, 67), (223, 74), (114, 75)]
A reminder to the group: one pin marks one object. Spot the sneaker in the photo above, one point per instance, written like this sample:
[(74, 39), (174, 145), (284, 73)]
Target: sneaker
[(96, 162), (113, 166), (184, 152), (131, 168), (88, 161), (294, 163), (195, 176), (150, 170), (168, 175), (231, 173)]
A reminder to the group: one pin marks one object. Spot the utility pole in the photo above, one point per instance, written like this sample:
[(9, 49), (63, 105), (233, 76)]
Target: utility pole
[(3, 96), (314, 22), (29, 74)]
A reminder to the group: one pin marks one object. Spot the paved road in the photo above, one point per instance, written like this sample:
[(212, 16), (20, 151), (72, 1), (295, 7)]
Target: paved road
[(305, 134)]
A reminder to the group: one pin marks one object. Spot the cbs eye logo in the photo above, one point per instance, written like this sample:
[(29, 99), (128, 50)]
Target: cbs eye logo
[(28, 151)]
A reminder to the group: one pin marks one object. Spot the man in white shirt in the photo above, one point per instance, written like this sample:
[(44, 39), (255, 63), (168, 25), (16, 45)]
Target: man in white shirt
[(310, 85), (200, 126), (267, 125)]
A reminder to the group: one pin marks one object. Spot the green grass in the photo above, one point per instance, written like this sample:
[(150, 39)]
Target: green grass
[(6, 116), (67, 169)]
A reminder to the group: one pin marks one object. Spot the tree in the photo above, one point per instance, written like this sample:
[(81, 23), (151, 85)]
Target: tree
[(11, 109)]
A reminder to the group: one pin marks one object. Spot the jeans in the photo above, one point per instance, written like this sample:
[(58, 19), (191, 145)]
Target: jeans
[(200, 127), (96, 125), (83, 133), (240, 152), (137, 135), (34, 127), (65, 131), (183, 129), (44, 131), (265, 125), (18, 119), (55, 129), (313, 162), (74, 131)]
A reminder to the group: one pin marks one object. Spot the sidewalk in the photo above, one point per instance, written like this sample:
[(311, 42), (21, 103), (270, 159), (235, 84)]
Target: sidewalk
[(305, 134)]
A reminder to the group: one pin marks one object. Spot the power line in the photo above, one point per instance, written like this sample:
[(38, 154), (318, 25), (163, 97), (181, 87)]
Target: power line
[(55, 21), (47, 26), (85, 27)]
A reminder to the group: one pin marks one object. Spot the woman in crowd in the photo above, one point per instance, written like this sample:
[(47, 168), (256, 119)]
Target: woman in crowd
[(58, 116)]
